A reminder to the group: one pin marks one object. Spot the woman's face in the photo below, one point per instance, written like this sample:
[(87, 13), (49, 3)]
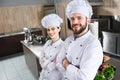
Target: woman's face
[(53, 32)]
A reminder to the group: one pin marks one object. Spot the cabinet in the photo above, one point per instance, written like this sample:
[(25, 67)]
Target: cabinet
[(10, 43), (32, 53), (118, 45), (32, 61), (111, 43)]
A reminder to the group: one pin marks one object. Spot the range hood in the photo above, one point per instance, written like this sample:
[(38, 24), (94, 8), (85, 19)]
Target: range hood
[(92, 2)]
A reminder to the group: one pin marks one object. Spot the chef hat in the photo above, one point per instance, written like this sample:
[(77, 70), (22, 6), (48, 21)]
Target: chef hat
[(79, 6), (51, 20)]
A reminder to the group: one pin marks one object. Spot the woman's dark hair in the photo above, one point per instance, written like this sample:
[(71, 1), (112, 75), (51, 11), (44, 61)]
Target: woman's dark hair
[(69, 25)]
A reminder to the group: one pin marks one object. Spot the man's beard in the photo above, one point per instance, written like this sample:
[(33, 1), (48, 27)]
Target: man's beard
[(82, 28)]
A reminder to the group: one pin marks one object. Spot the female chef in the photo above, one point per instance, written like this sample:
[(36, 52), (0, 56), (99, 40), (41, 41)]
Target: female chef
[(51, 48)]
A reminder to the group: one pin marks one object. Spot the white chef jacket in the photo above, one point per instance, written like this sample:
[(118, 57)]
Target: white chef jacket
[(50, 50), (84, 54)]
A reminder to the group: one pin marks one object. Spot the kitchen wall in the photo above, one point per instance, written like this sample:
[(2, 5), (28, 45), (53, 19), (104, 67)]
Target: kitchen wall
[(16, 14), (110, 8), (24, 2), (60, 9), (13, 19)]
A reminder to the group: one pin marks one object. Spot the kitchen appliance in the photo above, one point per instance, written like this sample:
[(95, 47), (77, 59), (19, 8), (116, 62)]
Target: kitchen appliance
[(32, 38), (38, 40), (28, 35)]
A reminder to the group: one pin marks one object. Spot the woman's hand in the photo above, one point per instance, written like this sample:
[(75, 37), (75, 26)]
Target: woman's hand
[(44, 58)]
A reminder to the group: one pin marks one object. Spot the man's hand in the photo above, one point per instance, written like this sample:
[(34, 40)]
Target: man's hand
[(44, 59), (54, 60), (65, 63)]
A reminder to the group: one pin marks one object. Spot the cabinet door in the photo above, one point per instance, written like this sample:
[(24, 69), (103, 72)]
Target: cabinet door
[(118, 45), (109, 43), (32, 62)]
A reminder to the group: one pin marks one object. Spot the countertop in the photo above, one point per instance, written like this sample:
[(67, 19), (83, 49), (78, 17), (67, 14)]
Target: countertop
[(35, 49), (18, 33)]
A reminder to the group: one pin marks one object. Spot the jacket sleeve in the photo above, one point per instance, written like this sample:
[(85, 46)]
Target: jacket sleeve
[(89, 64), (60, 58)]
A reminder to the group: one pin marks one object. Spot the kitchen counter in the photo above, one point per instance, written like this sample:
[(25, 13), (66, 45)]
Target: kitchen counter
[(11, 34), (31, 53), (18, 33), (35, 49)]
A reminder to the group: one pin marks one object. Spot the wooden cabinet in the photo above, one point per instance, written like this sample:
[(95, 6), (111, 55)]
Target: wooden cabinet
[(10, 43)]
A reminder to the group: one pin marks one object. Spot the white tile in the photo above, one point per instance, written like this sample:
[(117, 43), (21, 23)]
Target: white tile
[(20, 67), (15, 78), (19, 62), (15, 68), (28, 77), (2, 72), (1, 65), (3, 76), (11, 75), (10, 69), (25, 71)]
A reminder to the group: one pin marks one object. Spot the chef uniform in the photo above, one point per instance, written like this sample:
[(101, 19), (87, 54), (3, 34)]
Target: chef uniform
[(50, 51), (84, 53)]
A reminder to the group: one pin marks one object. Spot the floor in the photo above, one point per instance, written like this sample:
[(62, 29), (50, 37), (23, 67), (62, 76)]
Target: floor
[(13, 67)]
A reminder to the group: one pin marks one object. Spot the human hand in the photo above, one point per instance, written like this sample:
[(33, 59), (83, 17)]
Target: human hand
[(65, 63), (44, 58), (106, 58), (54, 60)]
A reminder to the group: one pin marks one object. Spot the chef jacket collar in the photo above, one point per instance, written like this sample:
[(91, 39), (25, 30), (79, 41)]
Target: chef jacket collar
[(55, 44), (83, 37)]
